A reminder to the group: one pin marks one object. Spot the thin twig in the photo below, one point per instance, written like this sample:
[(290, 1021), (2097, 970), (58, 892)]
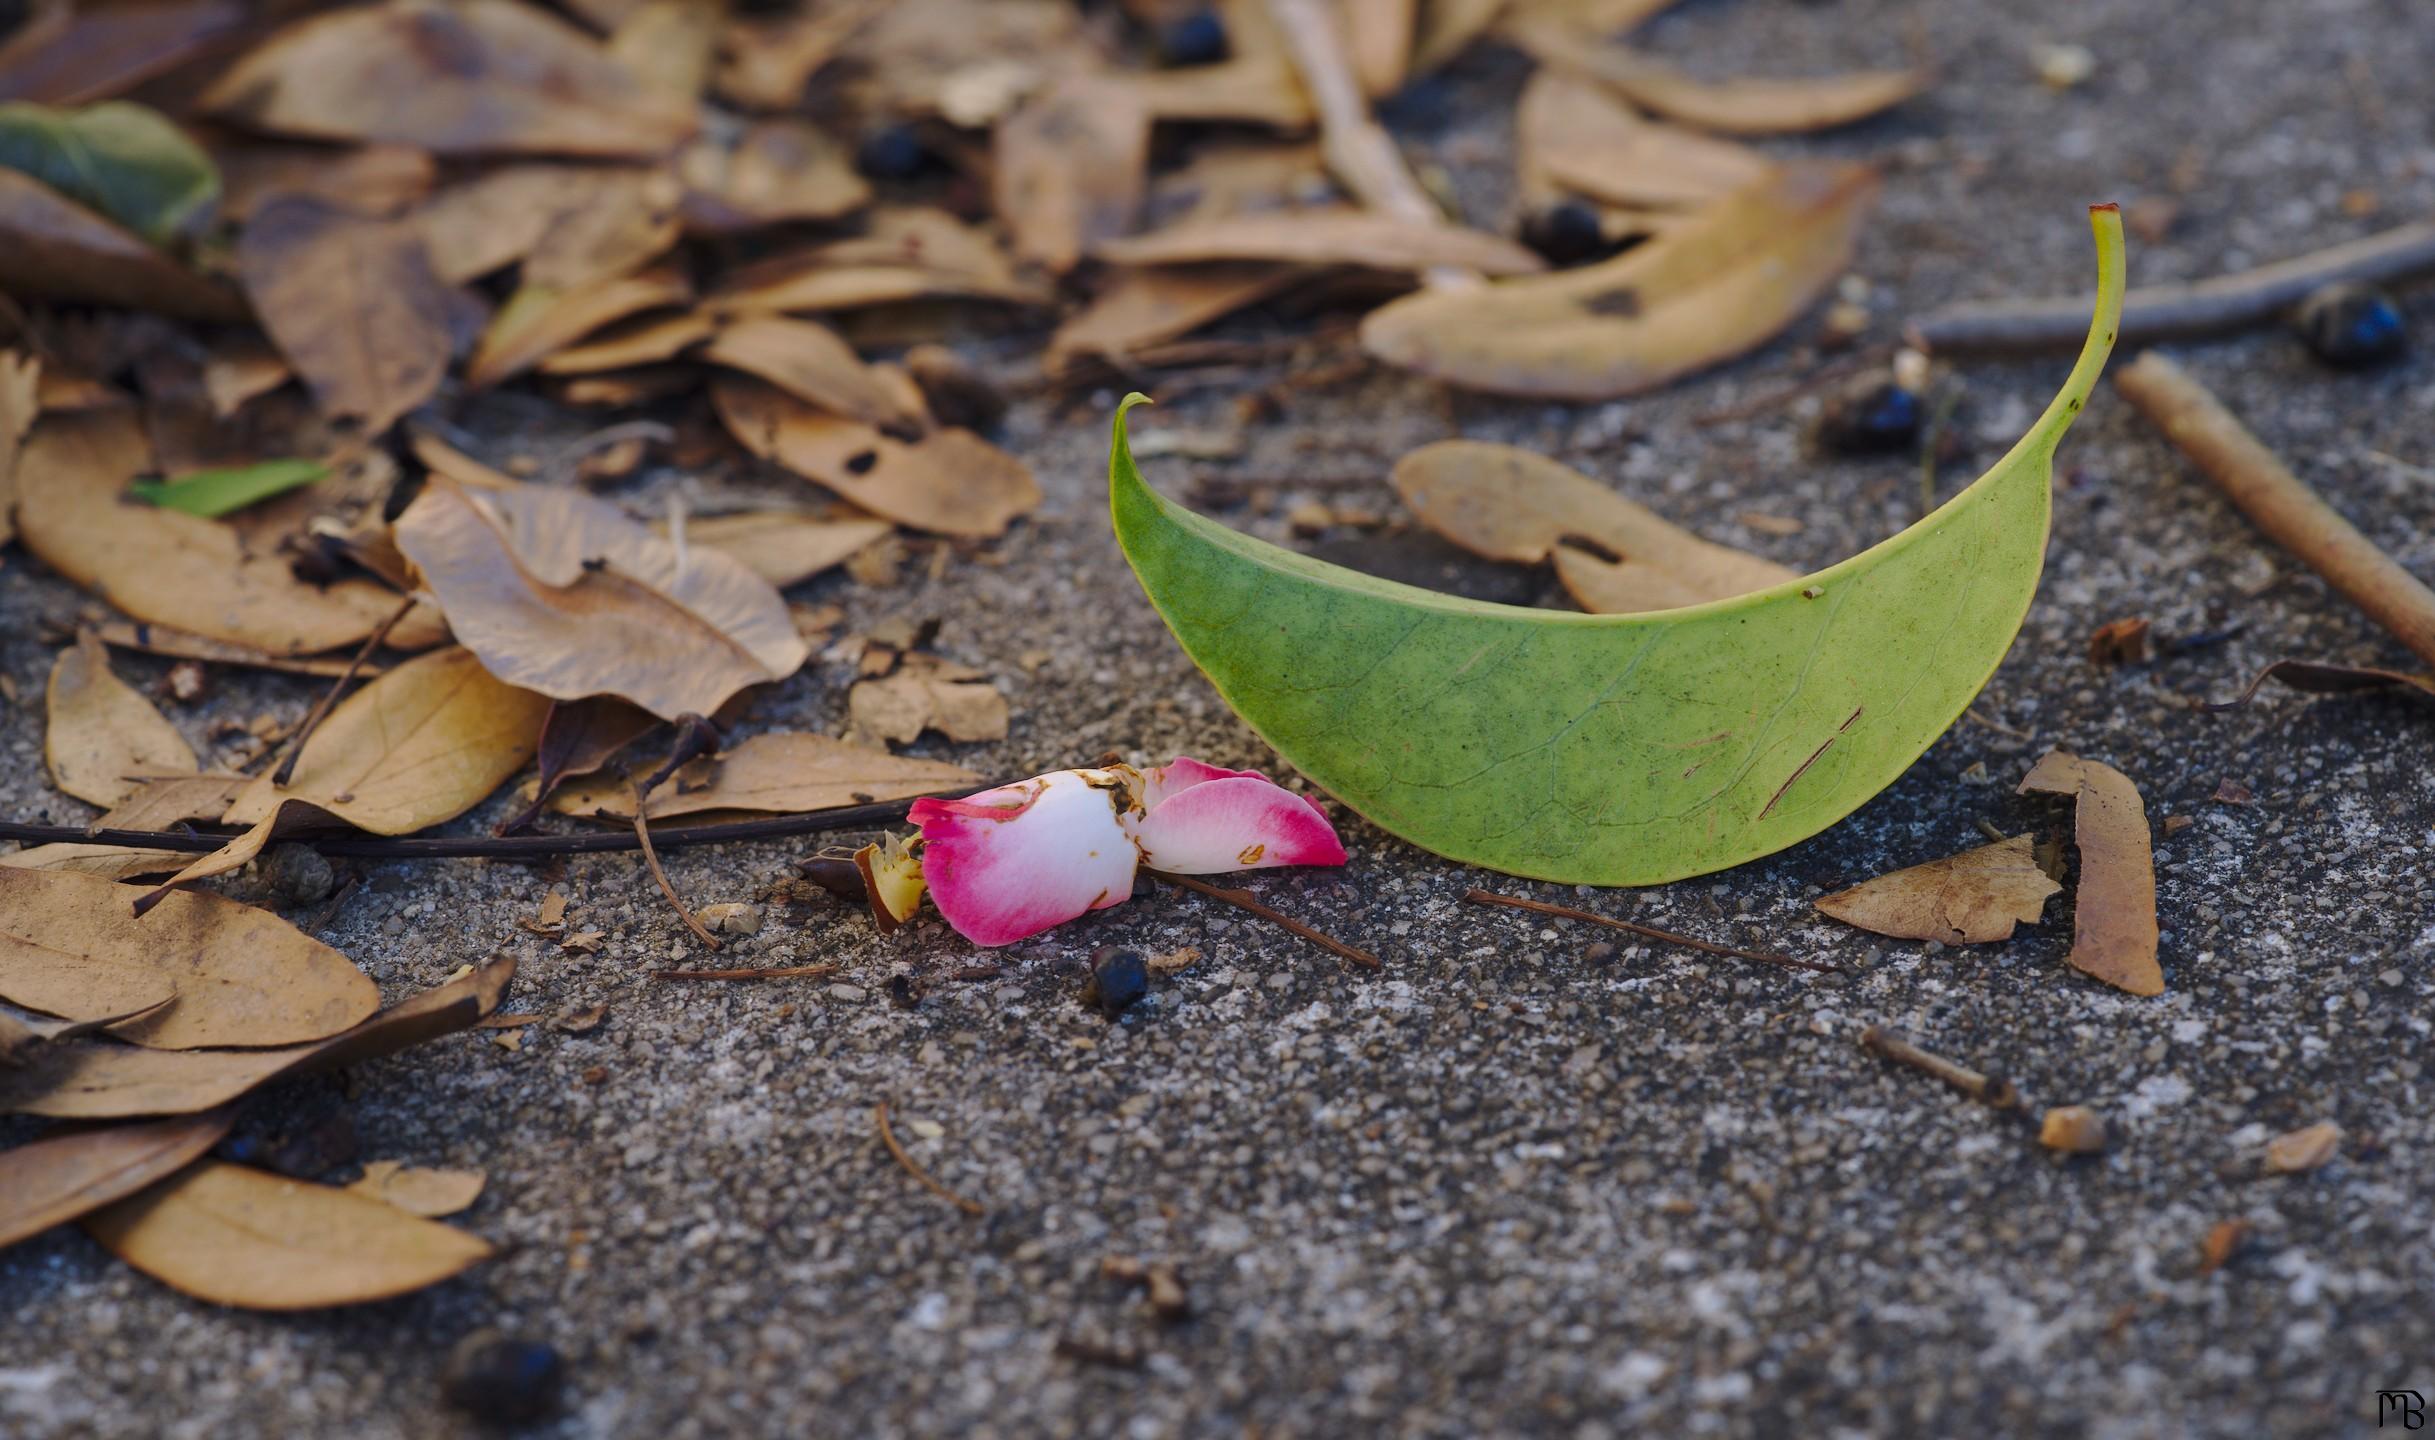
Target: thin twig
[(782, 972), (642, 837), (1241, 900), (1816, 380), (2167, 312), (887, 1137), (497, 847), (1993, 1090), (329, 698), (1646, 932), (2278, 502)]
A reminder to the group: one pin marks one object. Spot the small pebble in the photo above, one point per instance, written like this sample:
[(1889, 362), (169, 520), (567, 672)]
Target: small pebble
[(2073, 1129), (1568, 233), (1197, 39), (730, 917), (297, 875), (491, 1376), (1874, 416), (892, 152), (2352, 327), (1118, 981), (2063, 66)]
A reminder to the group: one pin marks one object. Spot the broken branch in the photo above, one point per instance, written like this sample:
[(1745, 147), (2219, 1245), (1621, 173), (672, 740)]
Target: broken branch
[(1992, 1090), (2278, 502), (887, 1137), (1241, 900), (2172, 312), (1646, 932)]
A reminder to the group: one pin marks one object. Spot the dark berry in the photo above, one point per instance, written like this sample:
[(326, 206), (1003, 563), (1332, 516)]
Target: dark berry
[(1872, 418), (1118, 981), (892, 152), (1197, 39), (1567, 233), (492, 1377), (2352, 327)]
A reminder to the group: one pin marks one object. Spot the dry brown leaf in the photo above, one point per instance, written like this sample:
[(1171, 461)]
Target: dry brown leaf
[(1508, 504), (70, 946), (164, 566), (20, 402), (1324, 235), (238, 1236), (1378, 37), (949, 482), (352, 303), (772, 172), (2300, 1151), (1145, 306), (913, 51), (492, 220), (1258, 86), (925, 692), (101, 732), (535, 323), (455, 77), (644, 342), (1573, 134), (159, 803), (907, 253), (1447, 28), (767, 59), (107, 862), (622, 220), (1966, 899), (429, 1193), (1069, 168), (784, 774), (52, 248), (560, 593), (670, 45), (66, 54), (2114, 916), (239, 368), (1748, 106), (58, 1177), (374, 180), (105, 1080), (578, 738), (807, 360), (1719, 286), (145, 638), (782, 547)]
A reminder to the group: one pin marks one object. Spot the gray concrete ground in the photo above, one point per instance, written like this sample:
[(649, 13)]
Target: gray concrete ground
[(1517, 1183)]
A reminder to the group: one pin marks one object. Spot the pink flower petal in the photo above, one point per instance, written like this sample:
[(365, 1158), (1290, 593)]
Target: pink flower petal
[(1240, 822), (1011, 862), (1165, 782)]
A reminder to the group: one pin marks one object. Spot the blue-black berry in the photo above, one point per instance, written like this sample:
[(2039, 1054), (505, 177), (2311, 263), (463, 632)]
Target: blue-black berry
[(1197, 39), (1566, 233), (2352, 327), (1118, 981), (1872, 418), (491, 1376), (892, 152)]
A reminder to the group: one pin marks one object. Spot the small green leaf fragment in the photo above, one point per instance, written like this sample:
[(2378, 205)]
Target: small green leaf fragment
[(121, 159), (214, 493)]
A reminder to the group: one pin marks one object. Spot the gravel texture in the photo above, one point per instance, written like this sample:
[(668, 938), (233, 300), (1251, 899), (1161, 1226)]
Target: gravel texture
[(1521, 1181)]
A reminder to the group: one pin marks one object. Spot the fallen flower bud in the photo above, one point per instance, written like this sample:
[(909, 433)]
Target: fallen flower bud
[(1014, 861)]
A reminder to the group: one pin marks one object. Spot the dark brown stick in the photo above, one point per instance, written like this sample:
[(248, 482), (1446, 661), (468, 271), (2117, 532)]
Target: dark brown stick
[(642, 837), (1646, 932), (1241, 900), (2172, 312), (508, 847), (887, 1137), (329, 698), (1993, 1090), (782, 972), (2278, 502)]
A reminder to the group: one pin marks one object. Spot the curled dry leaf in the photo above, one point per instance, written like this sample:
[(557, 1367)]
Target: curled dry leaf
[(925, 692), (20, 403), (456, 77), (911, 253), (1070, 167), (148, 638), (771, 173), (235, 1235), (1710, 290), (162, 566), (107, 862), (669, 44), (1732, 107), (1573, 134), (55, 1179), (768, 58), (577, 738), (622, 220), (241, 367), (563, 595), (73, 54), (1966, 899), (807, 360), (949, 481), (782, 547), (2114, 918), (52, 248), (2318, 677), (1509, 504), (1323, 235), (105, 1080), (1150, 304), (352, 303), (101, 733), (237, 975), (536, 322), (379, 180), (2300, 1151), (431, 1194), (491, 220), (783, 774), (644, 342)]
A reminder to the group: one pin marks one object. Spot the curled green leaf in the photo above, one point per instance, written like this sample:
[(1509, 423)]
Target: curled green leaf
[(1617, 749), (122, 159), (213, 493)]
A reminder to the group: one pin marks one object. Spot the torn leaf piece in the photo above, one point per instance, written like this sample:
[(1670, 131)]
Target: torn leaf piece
[(948, 481), (2114, 918), (927, 692), (418, 1191), (53, 1180), (239, 1236), (782, 774), (891, 880), (1966, 899), (1748, 106), (1014, 861), (1505, 503), (102, 737)]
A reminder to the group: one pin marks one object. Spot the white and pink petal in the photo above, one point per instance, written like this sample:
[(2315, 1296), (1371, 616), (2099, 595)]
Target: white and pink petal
[(1009, 863), (1241, 821)]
